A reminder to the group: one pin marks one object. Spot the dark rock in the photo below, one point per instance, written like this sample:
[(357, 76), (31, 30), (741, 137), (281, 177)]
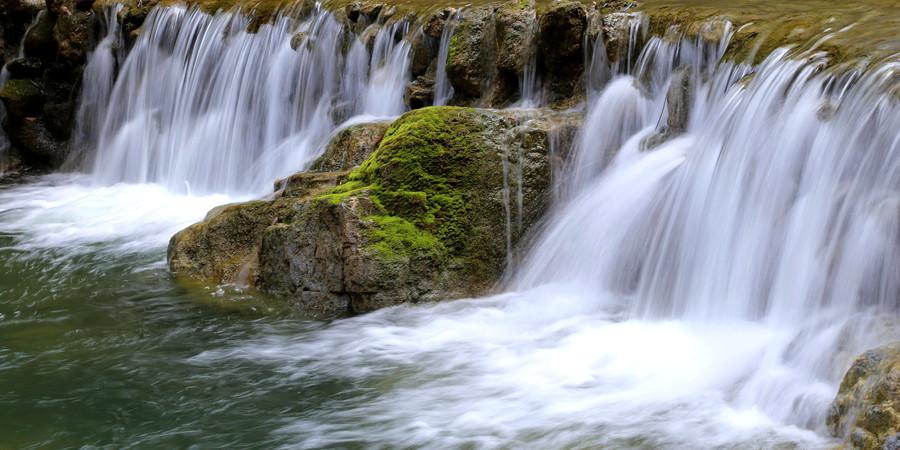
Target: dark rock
[(58, 118), (515, 32), (866, 411), (72, 33), (561, 48), (38, 146), (419, 93), (424, 49), (434, 26), (25, 68), (39, 41), (23, 98)]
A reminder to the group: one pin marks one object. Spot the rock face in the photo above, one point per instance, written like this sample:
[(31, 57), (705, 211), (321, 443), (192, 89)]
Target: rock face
[(866, 412), (427, 216), (562, 31)]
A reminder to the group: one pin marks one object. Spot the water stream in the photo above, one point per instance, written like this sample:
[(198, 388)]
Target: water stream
[(706, 293)]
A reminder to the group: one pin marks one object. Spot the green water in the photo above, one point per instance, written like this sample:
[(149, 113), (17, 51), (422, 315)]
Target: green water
[(96, 349)]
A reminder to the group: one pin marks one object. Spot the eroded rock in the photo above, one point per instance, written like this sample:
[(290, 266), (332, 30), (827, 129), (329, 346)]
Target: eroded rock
[(471, 61), (866, 411)]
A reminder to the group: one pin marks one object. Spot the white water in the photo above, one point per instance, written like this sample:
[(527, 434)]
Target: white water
[(202, 106), (443, 90), (708, 293)]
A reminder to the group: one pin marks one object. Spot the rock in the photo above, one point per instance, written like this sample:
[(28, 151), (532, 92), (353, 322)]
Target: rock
[(39, 41), (473, 52), (678, 102), (561, 48), (434, 26), (866, 411), (350, 146), (423, 218), (36, 143), (23, 98), (423, 52), (72, 33), (419, 93), (58, 117), (515, 31), (25, 68), (615, 27)]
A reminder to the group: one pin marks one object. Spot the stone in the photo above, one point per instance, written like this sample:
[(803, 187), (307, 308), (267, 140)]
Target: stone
[(419, 93), (472, 56), (37, 144), (23, 98), (25, 68), (39, 41), (72, 33), (866, 411), (423, 51), (515, 32), (350, 146), (422, 218), (678, 102), (561, 48)]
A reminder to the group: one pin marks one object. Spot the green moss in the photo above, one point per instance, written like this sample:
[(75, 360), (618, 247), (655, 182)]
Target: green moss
[(423, 177), (453, 49), (395, 239)]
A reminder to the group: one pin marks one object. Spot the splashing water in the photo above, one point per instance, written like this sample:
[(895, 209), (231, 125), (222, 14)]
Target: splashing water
[(704, 293)]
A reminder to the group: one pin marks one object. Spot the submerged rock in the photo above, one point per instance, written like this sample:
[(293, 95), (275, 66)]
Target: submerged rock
[(430, 215), (866, 411)]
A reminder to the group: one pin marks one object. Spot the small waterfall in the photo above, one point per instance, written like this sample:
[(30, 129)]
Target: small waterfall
[(443, 90), (780, 205), (529, 82), (201, 105), (4, 140), (98, 79)]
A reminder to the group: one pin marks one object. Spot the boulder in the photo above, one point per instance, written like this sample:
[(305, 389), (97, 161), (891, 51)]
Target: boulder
[(423, 51), (472, 56), (561, 48), (515, 32), (23, 98), (350, 146), (678, 103), (866, 411), (37, 144), (72, 33), (419, 93), (39, 40), (25, 68), (427, 216)]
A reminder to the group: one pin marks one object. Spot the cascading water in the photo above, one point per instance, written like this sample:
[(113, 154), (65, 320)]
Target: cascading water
[(201, 105), (706, 292), (443, 90)]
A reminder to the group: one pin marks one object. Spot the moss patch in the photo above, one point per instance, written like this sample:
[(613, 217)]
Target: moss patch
[(423, 177)]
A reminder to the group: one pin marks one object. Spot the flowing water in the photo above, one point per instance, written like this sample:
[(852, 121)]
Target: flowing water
[(707, 293)]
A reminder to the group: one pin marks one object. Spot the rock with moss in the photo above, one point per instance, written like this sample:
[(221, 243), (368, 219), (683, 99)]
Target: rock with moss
[(434, 213), (866, 412), (72, 33), (22, 98), (350, 146), (472, 56), (516, 29), (39, 40)]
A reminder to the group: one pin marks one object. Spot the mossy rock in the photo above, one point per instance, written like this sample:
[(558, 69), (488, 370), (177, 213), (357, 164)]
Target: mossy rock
[(866, 411), (471, 60), (22, 97)]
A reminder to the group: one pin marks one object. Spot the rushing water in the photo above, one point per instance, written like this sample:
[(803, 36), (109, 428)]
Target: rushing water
[(706, 293)]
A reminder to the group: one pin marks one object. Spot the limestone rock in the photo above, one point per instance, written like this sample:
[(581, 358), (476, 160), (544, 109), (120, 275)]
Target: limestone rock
[(515, 31), (678, 101), (350, 146), (419, 93), (473, 52), (866, 412)]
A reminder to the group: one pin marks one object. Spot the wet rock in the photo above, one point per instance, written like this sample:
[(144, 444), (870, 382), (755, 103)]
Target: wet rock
[(423, 51), (36, 143), (866, 411), (58, 117), (72, 32), (423, 218), (25, 68), (515, 30), (434, 26), (471, 61), (678, 102), (22, 98), (300, 39), (350, 147), (419, 93), (561, 48), (39, 41), (615, 29)]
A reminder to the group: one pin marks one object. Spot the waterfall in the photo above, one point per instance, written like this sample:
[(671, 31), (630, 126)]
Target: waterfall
[(780, 205), (443, 90), (202, 105), (98, 79)]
